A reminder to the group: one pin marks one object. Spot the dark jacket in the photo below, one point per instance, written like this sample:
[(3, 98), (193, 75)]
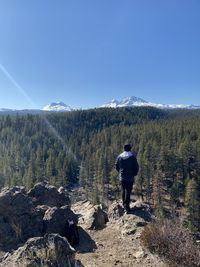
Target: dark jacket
[(127, 166)]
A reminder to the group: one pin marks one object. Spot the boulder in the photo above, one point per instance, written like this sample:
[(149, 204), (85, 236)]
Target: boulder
[(24, 215), (32, 225), (17, 229), (100, 218), (45, 194), (90, 216), (55, 219), (37, 220), (14, 202), (50, 250), (115, 211), (7, 233), (15, 216), (129, 224)]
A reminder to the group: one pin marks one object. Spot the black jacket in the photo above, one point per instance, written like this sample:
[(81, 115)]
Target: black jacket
[(127, 166)]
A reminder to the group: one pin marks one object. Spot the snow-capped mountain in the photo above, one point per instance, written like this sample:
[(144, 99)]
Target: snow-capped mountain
[(53, 107), (57, 106), (133, 101), (126, 102)]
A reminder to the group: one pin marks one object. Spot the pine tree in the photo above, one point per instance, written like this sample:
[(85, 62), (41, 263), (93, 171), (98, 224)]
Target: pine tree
[(192, 202)]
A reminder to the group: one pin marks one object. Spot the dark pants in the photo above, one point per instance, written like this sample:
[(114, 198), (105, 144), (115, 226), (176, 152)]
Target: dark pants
[(126, 193)]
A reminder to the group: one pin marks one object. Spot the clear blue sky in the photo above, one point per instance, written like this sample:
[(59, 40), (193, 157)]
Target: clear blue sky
[(85, 53)]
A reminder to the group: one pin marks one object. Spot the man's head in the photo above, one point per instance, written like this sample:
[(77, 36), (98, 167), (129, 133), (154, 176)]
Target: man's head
[(127, 147)]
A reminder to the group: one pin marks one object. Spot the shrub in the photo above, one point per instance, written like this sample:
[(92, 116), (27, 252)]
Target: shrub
[(171, 241)]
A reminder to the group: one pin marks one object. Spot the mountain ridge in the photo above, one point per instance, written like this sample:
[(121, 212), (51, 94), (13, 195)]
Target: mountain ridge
[(133, 101), (57, 106)]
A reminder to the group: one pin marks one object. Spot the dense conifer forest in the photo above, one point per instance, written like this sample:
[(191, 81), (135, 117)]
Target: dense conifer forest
[(81, 147)]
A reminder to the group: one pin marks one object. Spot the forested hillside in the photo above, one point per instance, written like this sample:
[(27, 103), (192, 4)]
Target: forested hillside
[(82, 146), (50, 146)]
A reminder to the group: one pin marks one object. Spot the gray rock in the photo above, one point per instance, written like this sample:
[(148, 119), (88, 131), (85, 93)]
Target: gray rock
[(15, 210), (22, 214), (32, 225), (37, 223), (95, 218), (56, 218), (15, 230), (7, 233), (90, 216), (115, 211), (49, 251), (45, 194), (100, 218), (129, 224), (140, 254), (14, 202)]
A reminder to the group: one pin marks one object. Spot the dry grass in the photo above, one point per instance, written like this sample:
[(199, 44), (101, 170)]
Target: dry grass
[(171, 241)]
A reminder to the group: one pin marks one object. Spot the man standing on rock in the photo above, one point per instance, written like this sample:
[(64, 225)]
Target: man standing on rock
[(128, 167)]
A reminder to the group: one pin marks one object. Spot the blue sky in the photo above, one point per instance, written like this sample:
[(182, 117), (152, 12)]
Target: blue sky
[(86, 53)]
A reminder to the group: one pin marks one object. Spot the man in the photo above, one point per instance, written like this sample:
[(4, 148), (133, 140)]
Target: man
[(128, 167)]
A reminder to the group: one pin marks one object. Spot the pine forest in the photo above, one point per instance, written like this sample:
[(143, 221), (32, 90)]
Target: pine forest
[(81, 147)]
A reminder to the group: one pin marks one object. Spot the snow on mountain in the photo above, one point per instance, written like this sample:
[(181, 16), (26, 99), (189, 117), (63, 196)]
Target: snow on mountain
[(113, 104), (133, 101), (126, 102), (57, 106)]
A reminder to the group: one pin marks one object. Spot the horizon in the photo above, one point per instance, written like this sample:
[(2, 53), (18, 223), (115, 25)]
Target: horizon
[(91, 107), (86, 54)]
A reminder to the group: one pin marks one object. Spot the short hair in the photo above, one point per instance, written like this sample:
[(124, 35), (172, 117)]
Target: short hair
[(127, 147)]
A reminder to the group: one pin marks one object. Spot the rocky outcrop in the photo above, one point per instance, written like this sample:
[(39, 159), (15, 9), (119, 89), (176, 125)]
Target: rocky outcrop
[(55, 219), (15, 215), (7, 232), (100, 218), (50, 250), (130, 224), (14, 201), (45, 194), (115, 211), (42, 210), (117, 244), (90, 217), (37, 220)]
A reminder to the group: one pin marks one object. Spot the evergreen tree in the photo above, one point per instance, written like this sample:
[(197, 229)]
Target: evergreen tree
[(192, 202)]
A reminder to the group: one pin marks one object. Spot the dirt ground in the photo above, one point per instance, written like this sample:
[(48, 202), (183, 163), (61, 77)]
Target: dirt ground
[(116, 245), (112, 246)]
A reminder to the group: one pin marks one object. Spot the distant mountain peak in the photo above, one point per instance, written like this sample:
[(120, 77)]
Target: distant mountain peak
[(133, 101), (57, 106), (134, 98), (128, 101), (113, 103)]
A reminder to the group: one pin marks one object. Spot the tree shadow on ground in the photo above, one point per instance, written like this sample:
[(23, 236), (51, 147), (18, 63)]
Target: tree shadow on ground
[(86, 244)]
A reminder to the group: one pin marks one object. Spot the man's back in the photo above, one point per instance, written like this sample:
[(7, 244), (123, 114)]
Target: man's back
[(127, 165)]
